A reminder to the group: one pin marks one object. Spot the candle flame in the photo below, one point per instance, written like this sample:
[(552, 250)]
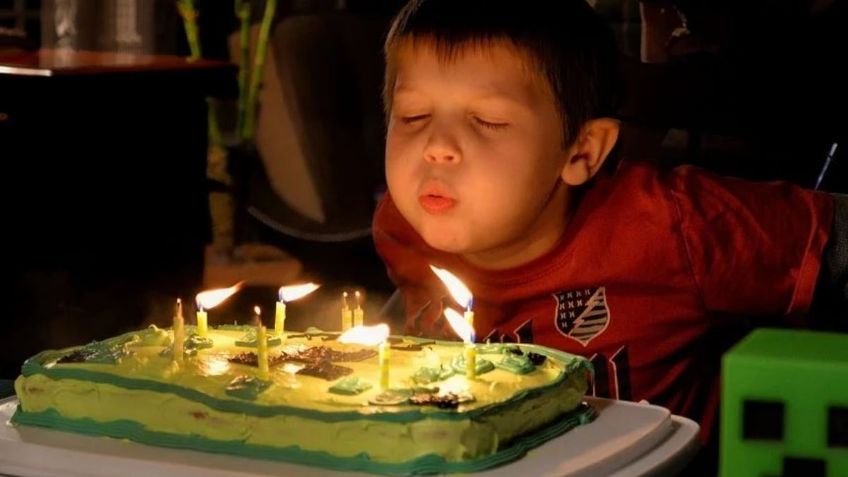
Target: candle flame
[(457, 289), (366, 335), (212, 298), (257, 310), (459, 325), (294, 292)]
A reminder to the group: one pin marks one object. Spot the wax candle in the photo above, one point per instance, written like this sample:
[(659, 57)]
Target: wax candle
[(262, 352), (358, 313), (347, 314), (470, 361), (280, 318), (385, 355), (179, 333)]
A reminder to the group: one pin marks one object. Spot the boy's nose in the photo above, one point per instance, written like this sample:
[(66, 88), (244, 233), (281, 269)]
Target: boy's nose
[(441, 156), (441, 149)]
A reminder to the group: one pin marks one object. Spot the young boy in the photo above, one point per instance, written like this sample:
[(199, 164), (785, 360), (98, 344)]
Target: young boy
[(499, 128)]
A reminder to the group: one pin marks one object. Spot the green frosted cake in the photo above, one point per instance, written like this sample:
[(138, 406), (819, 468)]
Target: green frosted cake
[(322, 403)]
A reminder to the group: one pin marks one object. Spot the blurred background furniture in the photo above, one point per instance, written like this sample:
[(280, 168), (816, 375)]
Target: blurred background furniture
[(105, 192)]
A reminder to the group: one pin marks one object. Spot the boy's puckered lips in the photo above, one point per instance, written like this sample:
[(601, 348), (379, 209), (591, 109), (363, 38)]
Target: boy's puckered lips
[(435, 198)]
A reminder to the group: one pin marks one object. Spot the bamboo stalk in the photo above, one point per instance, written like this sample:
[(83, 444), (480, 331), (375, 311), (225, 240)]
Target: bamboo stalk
[(258, 69), (188, 12), (243, 9)]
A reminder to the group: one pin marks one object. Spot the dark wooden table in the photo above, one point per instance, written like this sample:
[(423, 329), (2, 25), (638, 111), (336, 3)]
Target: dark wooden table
[(105, 210)]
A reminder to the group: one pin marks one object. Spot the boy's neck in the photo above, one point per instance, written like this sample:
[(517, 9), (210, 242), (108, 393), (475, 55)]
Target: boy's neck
[(540, 239)]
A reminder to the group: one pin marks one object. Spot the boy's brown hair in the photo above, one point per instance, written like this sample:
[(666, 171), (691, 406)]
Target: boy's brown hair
[(567, 42)]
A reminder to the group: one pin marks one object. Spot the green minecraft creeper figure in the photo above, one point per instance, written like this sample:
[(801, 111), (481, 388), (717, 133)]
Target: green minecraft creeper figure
[(785, 405)]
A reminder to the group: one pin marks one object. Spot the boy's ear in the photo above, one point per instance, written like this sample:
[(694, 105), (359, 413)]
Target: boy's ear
[(588, 152)]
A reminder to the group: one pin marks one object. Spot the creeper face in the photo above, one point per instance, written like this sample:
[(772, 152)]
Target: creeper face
[(785, 405)]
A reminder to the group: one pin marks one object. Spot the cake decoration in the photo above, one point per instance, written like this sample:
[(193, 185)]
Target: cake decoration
[(350, 386), (247, 387)]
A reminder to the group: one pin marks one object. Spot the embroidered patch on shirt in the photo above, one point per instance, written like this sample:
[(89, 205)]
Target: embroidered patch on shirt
[(582, 314)]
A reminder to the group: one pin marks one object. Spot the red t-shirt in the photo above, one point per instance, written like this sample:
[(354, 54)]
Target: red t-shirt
[(650, 270)]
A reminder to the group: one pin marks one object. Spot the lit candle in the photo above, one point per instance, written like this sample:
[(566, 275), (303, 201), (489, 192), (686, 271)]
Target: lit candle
[(463, 296), (202, 318), (210, 299), (460, 326), (261, 347), (469, 318), (179, 333), (358, 314), (347, 314), (458, 291), (470, 360), (385, 354), (280, 318), (370, 336), (287, 294)]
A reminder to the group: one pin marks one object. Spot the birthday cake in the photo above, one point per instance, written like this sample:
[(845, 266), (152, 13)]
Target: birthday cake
[(321, 402)]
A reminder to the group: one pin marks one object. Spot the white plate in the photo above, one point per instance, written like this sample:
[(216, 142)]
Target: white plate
[(627, 439)]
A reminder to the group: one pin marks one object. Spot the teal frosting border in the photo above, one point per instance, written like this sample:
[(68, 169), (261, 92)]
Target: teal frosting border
[(35, 365), (428, 464)]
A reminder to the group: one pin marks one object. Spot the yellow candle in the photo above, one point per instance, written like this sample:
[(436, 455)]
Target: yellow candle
[(202, 327), (347, 314), (358, 314), (469, 318), (280, 319), (470, 361), (384, 365), (179, 333), (262, 352)]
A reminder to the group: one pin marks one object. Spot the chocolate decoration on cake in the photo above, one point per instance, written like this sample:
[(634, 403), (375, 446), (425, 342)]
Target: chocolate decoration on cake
[(325, 370), (317, 354), (412, 346), (78, 356), (536, 358), (251, 359), (442, 401)]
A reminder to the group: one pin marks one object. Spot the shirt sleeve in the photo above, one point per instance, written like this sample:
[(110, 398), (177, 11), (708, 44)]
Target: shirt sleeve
[(753, 247)]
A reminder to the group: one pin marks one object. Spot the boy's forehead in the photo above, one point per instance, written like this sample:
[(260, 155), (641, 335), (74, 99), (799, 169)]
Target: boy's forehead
[(491, 68)]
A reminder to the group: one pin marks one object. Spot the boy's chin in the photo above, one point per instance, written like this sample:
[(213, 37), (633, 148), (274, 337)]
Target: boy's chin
[(446, 242)]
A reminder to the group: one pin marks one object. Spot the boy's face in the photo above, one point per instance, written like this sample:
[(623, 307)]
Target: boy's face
[(474, 154)]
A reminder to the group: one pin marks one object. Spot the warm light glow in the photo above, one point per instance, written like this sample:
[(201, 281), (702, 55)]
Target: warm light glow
[(294, 292), (257, 311), (457, 289), (216, 366), (365, 335), (460, 326), (212, 298)]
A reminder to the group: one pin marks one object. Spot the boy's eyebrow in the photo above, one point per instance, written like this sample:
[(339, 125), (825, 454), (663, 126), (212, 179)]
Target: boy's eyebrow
[(490, 94)]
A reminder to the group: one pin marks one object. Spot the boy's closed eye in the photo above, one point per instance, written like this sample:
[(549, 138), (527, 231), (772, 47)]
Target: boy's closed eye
[(410, 119), (494, 125), (490, 124)]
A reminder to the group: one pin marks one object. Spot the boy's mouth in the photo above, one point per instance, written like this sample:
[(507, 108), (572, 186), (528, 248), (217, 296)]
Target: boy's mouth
[(436, 204)]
